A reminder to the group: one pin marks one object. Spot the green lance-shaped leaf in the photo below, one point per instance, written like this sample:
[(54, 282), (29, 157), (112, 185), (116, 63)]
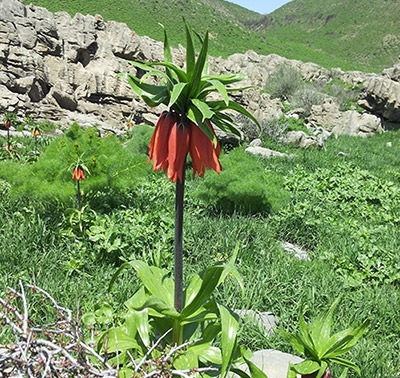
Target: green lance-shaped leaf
[(139, 320), (160, 306), (322, 369), (119, 340), (320, 328), (196, 117), (176, 93), (293, 340), (307, 340), (341, 342), (211, 279), (306, 367), (186, 361), (193, 288), (204, 109), (152, 71), (206, 351), (225, 123), (190, 53), (198, 68), (220, 106), (142, 88), (156, 280), (347, 363), (344, 373), (221, 89), (181, 75), (255, 371), (226, 79), (167, 54), (229, 329)]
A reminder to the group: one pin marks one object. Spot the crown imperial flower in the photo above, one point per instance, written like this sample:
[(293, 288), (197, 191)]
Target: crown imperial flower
[(78, 173), (36, 132), (187, 126)]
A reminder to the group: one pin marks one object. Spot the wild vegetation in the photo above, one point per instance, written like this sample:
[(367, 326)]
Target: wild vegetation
[(340, 204), (87, 220), (349, 35)]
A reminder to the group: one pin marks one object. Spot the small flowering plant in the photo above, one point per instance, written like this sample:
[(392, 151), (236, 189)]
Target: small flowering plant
[(78, 175), (9, 119)]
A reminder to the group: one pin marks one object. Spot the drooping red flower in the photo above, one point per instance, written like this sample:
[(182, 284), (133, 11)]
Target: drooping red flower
[(203, 152), (78, 173), (158, 148), (173, 139), (36, 132), (7, 124)]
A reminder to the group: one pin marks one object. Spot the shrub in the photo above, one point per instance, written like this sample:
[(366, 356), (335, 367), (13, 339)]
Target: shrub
[(305, 97), (284, 82), (113, 166), (243, 186), (346, 95)]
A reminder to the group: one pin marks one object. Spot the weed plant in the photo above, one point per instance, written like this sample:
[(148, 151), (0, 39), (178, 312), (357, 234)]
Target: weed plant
[(343, 209)]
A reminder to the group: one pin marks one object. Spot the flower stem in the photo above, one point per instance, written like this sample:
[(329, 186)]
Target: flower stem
[(78, 194), (178, 272)]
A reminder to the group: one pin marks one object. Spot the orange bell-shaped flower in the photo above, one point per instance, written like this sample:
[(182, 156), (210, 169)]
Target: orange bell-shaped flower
[(178, 148), (78, 173), (203, 152), (36, 132), (173, 139), (158, 148)]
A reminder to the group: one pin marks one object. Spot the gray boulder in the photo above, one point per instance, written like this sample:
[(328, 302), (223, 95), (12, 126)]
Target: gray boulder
[(381, 96), (350, 122)]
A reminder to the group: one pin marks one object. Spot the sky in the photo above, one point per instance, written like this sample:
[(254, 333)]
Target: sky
[(261, 6)]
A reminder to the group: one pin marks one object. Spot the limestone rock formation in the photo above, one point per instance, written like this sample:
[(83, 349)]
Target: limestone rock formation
[(381, 96), (64, 69), (349, 122)]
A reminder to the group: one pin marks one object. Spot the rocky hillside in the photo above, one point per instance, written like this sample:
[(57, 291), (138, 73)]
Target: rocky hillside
[(347, 34), (64, 69)]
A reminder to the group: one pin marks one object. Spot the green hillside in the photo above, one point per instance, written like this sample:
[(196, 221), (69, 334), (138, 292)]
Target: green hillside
[(362, 35), (346, 34)]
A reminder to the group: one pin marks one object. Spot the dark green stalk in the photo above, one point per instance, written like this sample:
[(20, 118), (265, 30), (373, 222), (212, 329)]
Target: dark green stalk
[(178, 256), (78, 194), (179, 194)]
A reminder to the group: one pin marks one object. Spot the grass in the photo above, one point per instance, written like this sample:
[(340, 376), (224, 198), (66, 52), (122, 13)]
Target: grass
[(39, 242)]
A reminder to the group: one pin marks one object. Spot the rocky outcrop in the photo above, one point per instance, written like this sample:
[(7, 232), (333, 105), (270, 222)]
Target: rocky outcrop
[(64, 69), (381, 96), (349, 122)]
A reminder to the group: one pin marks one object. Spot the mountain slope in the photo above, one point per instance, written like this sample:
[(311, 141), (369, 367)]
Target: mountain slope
[(364, 35), (348, 34)]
